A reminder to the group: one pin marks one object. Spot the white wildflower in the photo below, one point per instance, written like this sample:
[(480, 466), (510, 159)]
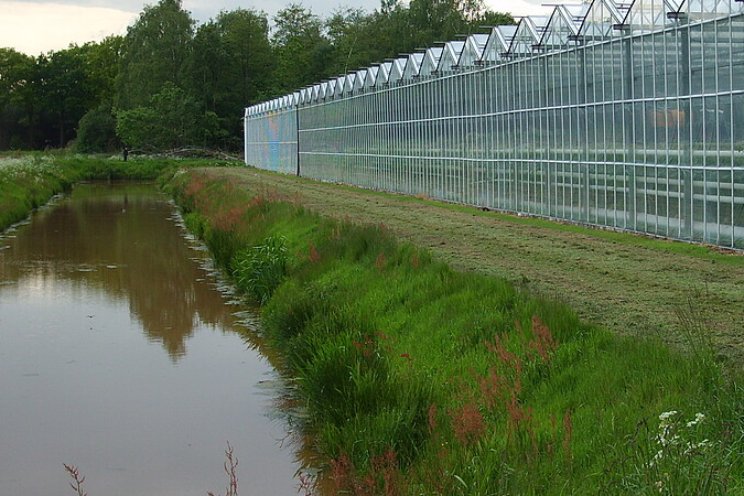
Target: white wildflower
[(699, 417), (696, 447), (665, 416), (658, 456)]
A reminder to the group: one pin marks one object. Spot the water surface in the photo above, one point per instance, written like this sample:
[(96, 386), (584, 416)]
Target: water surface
[(119, 355)]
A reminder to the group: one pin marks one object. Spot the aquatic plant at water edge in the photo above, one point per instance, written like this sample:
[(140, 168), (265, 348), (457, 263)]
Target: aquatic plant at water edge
[(260, 269)]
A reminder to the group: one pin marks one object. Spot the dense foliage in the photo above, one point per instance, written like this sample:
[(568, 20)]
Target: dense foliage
[(116, 92)]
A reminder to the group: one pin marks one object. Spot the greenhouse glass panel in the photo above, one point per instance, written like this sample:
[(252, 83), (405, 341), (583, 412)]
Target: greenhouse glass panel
[(628, 115)]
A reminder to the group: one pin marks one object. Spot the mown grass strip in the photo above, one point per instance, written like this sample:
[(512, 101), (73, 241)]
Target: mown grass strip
[(422, 380), (619, 236)]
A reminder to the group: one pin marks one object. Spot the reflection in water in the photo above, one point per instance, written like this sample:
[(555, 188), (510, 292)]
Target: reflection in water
[(80, 286), (89, 240)]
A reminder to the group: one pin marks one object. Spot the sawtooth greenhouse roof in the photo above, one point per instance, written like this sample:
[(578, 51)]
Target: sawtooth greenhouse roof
[(564, 27)]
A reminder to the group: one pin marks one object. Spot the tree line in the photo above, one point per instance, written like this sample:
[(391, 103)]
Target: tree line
[(170, 83)]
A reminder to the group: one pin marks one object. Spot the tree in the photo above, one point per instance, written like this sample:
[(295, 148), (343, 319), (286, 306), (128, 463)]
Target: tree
[(97, 131), (230, 67), (16, 75), (303, 54), (172, 119), (64, 91), (360, 39), (245, 35), (101, 64), (350, 34), (491, 18), (154, 52)]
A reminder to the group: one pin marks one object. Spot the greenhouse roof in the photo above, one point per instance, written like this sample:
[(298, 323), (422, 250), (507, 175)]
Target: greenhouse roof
[(473, 50), (563, 26), (586, 22), (338, 88), (413, 66), (604, 19), (348, 86), (397, 69), (528, 35), (360, 79), (371, 76), (498, 44), (450, 56), (430, 61), (383, 74)]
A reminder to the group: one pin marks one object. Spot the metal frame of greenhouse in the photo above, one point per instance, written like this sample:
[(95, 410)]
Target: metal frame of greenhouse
[(625, 115)]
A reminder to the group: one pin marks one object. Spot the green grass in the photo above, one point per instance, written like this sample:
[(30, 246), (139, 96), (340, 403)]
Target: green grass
[(619, 236), (26, 183), (418, 379), (29, 180)]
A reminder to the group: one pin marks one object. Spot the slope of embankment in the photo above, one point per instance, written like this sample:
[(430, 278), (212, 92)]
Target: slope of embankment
[(437, 351), (630, 284)]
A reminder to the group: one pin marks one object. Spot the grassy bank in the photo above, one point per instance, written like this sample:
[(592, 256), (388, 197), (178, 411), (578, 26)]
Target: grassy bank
[(419, 379), (29, 180), (628, 284)]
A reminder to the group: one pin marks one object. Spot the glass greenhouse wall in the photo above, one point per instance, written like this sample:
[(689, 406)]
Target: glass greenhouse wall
[(629, 116), (270, 139)]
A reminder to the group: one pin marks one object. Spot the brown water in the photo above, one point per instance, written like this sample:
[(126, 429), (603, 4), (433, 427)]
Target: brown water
[(118, 354)]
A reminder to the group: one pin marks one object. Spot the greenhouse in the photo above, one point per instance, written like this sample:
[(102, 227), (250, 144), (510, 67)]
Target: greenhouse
[(624, 115)]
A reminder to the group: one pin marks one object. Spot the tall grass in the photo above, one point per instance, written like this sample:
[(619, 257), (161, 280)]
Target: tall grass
[(27, 182), (260, 269), (421, 380)]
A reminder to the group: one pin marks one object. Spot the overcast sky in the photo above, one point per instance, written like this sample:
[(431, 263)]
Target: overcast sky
[(37, 26)]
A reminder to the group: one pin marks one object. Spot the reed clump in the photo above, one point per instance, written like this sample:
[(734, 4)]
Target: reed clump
[(418, 379)]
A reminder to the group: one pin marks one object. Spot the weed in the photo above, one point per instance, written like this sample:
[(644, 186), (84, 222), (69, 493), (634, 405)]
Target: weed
[(313, 255), (677, 458), (77, 479), (231, 467), (695, 331), (259, 270), (468, 424)]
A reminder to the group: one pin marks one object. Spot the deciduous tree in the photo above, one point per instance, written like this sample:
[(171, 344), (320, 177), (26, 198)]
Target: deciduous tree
[(154, 52)]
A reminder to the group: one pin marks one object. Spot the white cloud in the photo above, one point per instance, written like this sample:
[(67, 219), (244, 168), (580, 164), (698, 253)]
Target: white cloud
[(35, 28)]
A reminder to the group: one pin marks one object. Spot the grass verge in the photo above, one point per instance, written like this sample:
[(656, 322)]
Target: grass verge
[(422, 380)]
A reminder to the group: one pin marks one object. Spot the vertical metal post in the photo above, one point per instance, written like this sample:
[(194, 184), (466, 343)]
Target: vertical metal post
[(686, 157), (245, 136), (629, 158), (297, 133)]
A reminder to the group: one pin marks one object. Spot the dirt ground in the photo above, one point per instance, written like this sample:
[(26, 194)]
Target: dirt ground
[(627, 285)]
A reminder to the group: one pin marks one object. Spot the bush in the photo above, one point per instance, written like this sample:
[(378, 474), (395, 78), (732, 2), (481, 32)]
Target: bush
[(97, 131)]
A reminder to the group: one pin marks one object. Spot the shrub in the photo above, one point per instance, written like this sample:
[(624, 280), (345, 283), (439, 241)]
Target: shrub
[(97, 131)]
